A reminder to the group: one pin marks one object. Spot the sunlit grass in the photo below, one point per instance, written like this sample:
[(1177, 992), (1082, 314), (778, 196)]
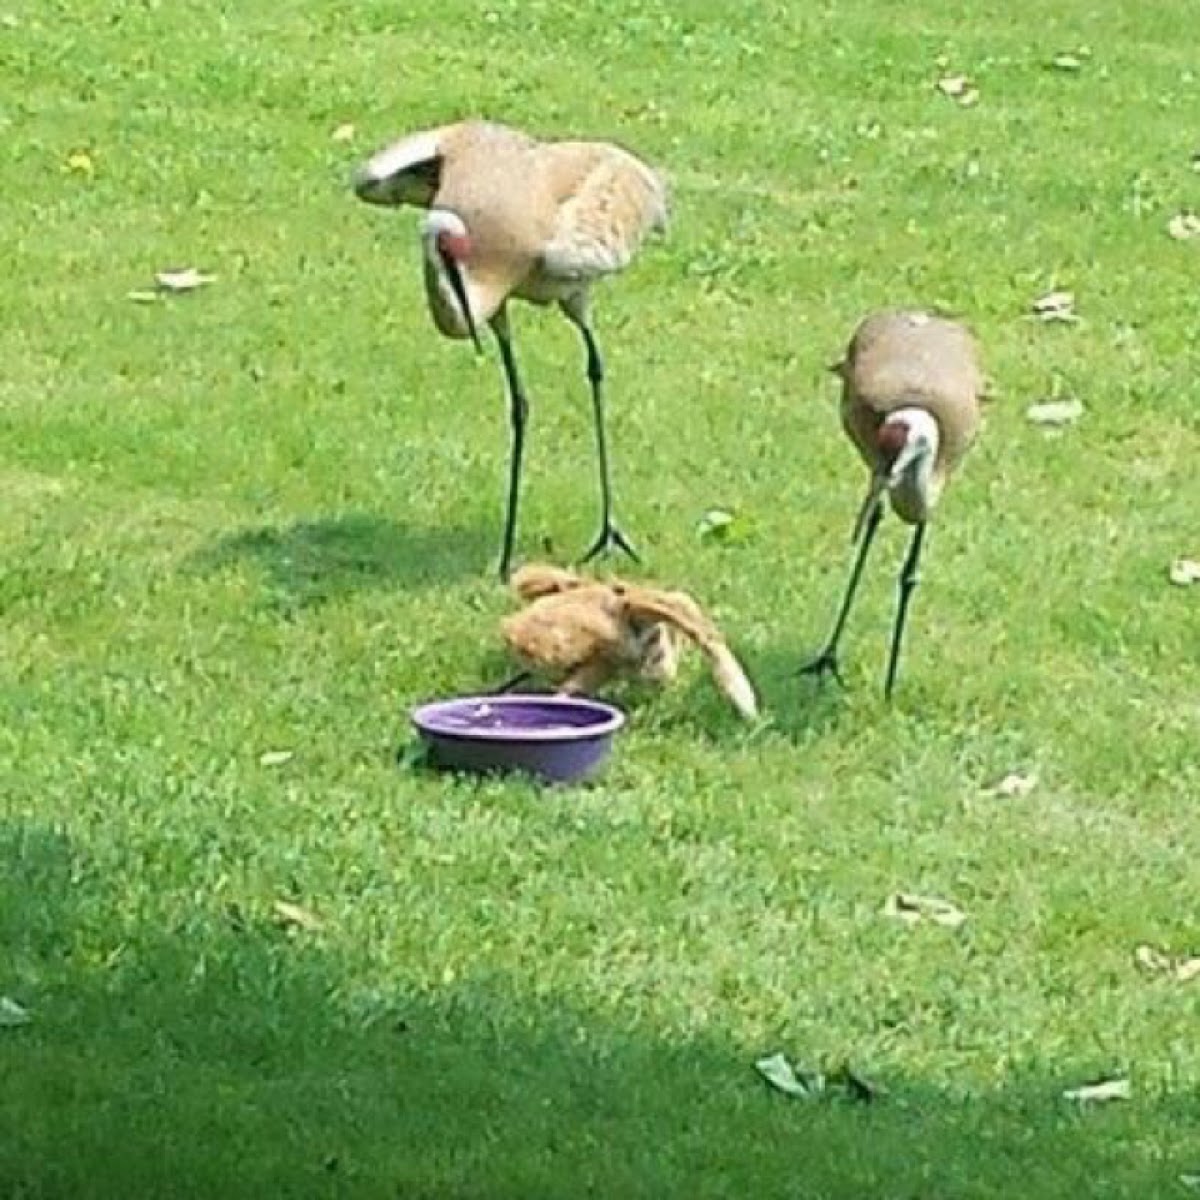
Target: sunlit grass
[(264, 517)]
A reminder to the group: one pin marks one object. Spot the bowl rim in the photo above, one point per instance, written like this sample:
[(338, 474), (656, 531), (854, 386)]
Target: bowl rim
[(423, 716)]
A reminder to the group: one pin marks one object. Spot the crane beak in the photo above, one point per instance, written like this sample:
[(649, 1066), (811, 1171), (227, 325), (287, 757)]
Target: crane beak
[(454, 274), (910, 452), (878, 483)]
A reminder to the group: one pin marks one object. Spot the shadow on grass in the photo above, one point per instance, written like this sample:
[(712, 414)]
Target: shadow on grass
[(311, 562), (796, 705), (694, 705), (233, 1058)]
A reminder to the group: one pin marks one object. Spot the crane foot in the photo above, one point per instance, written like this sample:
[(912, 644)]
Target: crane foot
[(609, 539), (826, 663)]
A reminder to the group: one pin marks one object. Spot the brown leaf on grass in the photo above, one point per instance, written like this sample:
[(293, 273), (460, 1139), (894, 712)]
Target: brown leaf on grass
[(297, 916), (911, 908), (1184, 572), (1015, 784), (275, 758), (959, 89), (1068, 61), (344, 132), (860, 1088), (1055, 413), (1055, 306), (1187, 969), (80, 162), (1100, 1091), (12, 1014), (1184, 226), (187, 279), (1182, 970), (1150, 959), (805, 1084), (791, 1080)]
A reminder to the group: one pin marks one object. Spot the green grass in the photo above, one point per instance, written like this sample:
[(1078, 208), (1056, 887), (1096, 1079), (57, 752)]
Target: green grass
[(264, 517)]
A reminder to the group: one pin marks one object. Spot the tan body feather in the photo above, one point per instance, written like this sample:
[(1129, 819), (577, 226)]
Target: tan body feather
[(899, 359)]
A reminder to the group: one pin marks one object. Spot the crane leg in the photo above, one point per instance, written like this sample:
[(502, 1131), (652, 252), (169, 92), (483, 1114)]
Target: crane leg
[(826, 663), (908, 582), (610, 536), (513, 681), (519, 411)]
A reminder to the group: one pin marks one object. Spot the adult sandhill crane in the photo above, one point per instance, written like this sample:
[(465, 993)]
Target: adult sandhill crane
[(911, 387), (510, 216)]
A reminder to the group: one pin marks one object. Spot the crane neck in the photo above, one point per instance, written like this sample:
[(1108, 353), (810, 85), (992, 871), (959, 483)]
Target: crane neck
[(911, 480)]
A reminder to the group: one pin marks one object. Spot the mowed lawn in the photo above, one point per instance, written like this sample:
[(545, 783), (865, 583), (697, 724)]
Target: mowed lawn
[(263, 519)]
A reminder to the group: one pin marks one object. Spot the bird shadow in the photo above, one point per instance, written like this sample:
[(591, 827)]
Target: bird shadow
[(309, 563), (790, 703), (793, 704)]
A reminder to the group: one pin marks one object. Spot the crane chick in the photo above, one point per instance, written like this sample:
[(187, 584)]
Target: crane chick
[(584, 632)]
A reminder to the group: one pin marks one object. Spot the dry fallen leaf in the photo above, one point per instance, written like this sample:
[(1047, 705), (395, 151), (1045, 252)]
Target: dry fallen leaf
[(1015, 784), (275, 758), (1185, 571), (1187, 969), (80, 162), (860, 1088), (1183, 226), (1182, 970), (1100, 1091), (1150, 959), (1055, 412), (715, 524), (12, 1014), (295, 914), (1072, 60), (343, 133), (960, 89), (905, 906), (1055, 306), (186, 280), (792, 1081)]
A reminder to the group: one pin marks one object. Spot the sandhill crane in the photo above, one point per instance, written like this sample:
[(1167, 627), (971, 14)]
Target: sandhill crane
[(512, 216), (911, 386)]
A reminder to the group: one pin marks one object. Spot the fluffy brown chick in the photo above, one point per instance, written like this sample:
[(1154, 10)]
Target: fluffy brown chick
[(583, 632)]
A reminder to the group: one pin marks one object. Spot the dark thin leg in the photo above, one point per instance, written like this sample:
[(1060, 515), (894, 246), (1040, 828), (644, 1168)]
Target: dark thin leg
[(519, 409), (507, 686), (908, 581), (610, 536), (826, 662)]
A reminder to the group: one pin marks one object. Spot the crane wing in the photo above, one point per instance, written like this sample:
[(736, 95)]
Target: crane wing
[(608, 202)]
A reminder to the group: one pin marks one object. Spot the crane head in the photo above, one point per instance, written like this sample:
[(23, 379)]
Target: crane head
[(891, 438), (447, 243), (908, 441)]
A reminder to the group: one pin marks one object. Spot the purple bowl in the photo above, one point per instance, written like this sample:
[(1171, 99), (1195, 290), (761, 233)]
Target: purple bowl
[(563, 739)]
